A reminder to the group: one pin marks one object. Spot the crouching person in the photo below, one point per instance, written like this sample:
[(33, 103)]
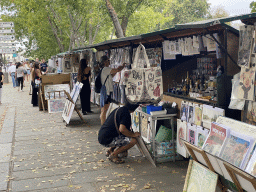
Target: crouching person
[(116, 133)]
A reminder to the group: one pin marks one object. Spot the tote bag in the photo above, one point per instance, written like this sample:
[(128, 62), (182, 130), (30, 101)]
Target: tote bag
[(143, 85)]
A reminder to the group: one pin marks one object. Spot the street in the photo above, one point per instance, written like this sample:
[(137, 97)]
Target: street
[(38, 152)]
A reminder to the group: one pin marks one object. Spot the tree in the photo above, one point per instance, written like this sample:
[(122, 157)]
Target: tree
[(253, 6), (218, 12)]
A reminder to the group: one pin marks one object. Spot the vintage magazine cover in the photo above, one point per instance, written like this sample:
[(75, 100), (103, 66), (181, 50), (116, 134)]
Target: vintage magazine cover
[(216, 139), (191, 133), (201, 135), (251, 167), (237, 148), (181, 134), (198, 114)]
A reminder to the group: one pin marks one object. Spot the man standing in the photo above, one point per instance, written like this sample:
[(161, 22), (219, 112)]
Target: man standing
[(12, 71), (44, 67), (116, 132)]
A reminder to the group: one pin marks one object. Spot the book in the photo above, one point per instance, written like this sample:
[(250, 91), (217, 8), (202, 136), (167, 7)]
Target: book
[(237, 149), (191, 133), (201, 135), (216, 139), (181, 134)]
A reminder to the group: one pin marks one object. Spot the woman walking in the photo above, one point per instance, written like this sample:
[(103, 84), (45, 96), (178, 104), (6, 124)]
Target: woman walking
[(1, 84), (20, 76), (36, 79), (84, 73)]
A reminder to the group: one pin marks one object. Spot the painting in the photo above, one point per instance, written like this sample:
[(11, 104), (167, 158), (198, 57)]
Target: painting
[(56, 91), (246, 85), (56, 105), (200, 179), (245, 45), (198, 114), (68, 111), (210, 114), (181, 135)]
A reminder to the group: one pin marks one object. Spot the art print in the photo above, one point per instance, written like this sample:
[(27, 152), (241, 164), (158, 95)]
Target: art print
[(216, 139), (76, 91), (190, 118), (251, 167), (136, 121), (251, 111), (166, 51), (201, 136), (68, 111), (50, 89), (245, 45), (198, 115), (200, 179), (236, 150), (181, 135), (74, 78), (178, 47), (172, 47), (211, 44), (56, 105), (191, 133), (144, 127), (246, 88), (210, 114), (184, 111)]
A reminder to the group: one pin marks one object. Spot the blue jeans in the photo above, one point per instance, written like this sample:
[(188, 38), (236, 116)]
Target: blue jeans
[(13, 79)]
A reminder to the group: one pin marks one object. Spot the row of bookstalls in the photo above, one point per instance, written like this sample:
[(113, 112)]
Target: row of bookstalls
[(208, 70)]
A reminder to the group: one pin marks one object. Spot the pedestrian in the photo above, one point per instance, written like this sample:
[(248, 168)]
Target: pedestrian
[(1, 84), (84, 73), (36, 79), (107, 86), (116, 133), (44, 67), (20, 76), (27, 68), (12, 71)]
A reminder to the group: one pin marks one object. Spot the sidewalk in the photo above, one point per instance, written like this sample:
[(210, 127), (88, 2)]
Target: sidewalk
[(39, 153)]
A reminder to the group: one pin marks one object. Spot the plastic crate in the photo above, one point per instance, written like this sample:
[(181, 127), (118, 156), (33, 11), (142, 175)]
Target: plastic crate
[(153, 108)]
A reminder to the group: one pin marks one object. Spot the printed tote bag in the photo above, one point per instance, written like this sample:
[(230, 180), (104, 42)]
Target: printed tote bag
[(143, 85)]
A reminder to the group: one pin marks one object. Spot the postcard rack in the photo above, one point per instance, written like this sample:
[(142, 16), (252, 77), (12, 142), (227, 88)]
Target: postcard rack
[(240, 178), (153, 121)]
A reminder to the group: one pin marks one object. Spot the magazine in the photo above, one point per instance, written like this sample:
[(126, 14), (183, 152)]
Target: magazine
[(237, 148), (181, 134), (216, 138), (201, 135), (191, 133)]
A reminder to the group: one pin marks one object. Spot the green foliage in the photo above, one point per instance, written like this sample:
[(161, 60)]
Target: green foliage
[(253, 6)]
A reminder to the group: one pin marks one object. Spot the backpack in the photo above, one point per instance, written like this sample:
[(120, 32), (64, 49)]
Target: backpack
[(98, 84)]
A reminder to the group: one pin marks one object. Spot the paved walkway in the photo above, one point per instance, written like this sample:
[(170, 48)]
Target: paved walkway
[(39, 153)]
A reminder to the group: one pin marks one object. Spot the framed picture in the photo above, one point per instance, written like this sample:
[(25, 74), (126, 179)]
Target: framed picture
[(68, 111), (199, 178), (56, 105)]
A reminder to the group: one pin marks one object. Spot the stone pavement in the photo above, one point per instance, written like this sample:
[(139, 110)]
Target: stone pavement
[(39, 153)]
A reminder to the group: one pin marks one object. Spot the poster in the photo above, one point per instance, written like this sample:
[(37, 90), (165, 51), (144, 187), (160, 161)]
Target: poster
[(237, 149), (246, 88), (200, 179), (197, 114), (68, 111), (245, 45), (181, 134), (56, 105), (56, 91), (215, 139), (210, 114)]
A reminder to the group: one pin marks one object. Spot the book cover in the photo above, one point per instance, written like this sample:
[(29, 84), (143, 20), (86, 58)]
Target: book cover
[(236, 149), (215, 139)]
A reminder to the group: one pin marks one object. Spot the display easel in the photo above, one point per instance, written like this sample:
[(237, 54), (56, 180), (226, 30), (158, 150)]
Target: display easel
[(78, 112), (240, 178)]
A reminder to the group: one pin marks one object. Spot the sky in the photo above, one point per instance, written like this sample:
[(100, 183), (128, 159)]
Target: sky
[(233, 7)]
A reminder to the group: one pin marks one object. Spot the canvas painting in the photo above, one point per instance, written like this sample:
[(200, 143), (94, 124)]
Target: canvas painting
[(200, 179), (216, 139), (245, 45), (68, 111), (237, 149), (251, 167), (184, 111), (210, 114), (56, 105), (181, 134), (246, 88), (198, 114)]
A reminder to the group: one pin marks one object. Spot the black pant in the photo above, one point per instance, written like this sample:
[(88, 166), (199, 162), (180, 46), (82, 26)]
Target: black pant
[(34, 100), (85, 96), (20, 82)]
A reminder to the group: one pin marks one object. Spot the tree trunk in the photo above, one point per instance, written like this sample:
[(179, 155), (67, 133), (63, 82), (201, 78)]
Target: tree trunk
[(111, 10), (124, 24)]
